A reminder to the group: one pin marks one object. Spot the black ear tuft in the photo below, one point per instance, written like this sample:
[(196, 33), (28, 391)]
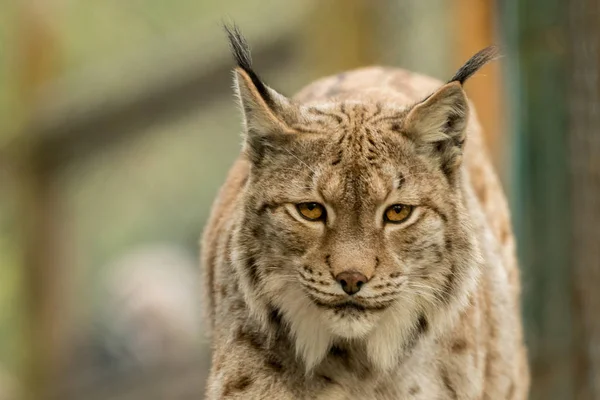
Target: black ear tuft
[(239, 47), (481, 58), (241, 53)]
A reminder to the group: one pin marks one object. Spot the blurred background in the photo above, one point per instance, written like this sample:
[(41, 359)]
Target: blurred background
[(118, 124)]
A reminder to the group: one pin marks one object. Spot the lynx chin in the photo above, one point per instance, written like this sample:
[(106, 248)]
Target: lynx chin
[(361, 246)]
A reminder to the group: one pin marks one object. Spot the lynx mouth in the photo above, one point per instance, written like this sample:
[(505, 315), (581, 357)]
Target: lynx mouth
[(351, 305)]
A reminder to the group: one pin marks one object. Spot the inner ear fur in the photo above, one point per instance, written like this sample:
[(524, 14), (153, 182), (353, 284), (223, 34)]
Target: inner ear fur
[(442, 116), (262, 106), (439, 123)]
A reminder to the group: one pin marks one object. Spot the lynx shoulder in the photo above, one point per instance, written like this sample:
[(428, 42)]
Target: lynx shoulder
[(361, 246)]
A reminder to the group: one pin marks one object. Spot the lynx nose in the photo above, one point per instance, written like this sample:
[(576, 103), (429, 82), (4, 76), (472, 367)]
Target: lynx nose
[(351, 281)]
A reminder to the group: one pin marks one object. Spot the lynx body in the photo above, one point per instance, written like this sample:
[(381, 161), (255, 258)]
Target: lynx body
[(361, 246)]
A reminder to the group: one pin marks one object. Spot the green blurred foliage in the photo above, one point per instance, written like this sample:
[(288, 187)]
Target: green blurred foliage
[(155, 189), (96, 31)]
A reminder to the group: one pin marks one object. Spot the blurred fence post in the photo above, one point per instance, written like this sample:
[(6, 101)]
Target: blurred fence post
[(476, 30), (341, 35), (584, 141), (45, 269), (45, 277), (536, 60)]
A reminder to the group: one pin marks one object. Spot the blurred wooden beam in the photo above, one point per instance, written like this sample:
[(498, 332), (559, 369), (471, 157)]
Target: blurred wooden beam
[(476, 30), (584, 142), (65, 127)]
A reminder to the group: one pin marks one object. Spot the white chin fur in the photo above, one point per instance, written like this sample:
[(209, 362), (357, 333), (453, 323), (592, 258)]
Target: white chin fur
[(312, 336), (315, 329), (354, 326), (384, 344)]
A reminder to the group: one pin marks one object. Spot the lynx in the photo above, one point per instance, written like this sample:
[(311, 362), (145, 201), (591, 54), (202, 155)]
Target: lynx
[(361, 246)]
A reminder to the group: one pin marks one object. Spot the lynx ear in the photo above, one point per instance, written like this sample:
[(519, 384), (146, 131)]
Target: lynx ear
[(440, 124), (265, 110), (440, 121)]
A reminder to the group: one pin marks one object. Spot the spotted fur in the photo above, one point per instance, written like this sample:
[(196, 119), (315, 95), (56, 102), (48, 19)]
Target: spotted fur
[(439, 317)]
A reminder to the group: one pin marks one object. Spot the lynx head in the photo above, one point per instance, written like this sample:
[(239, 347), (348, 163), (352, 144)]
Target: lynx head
[(354, 223)]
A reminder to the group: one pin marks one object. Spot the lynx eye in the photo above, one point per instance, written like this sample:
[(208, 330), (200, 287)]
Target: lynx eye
[(397, 213), (311, 211)]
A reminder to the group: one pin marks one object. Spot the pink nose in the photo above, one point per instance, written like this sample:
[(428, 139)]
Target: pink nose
[(351, 281)]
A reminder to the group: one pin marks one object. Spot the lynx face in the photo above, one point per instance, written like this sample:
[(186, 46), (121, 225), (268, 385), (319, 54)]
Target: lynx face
[(354, 224), (352, 199)]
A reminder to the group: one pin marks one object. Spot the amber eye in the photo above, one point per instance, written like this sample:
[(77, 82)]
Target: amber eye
[(397, 213), (311, 211)]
